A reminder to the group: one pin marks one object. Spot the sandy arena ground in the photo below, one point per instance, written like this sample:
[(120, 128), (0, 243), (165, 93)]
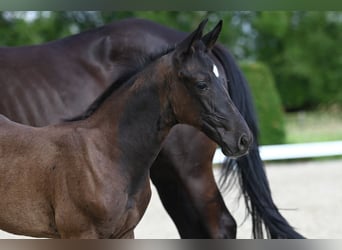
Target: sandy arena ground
[(310, 192)]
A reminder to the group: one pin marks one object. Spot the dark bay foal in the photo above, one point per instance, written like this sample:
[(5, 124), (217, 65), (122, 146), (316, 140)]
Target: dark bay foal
[(89, 178)]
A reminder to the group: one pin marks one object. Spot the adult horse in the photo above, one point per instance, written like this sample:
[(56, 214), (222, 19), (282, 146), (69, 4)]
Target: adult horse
[(89, 178), (42, 84)]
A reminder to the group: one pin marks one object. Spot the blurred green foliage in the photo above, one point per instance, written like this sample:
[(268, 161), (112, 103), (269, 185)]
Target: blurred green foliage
[(15, 29), (267, 102), (18, 28), (304, 52)]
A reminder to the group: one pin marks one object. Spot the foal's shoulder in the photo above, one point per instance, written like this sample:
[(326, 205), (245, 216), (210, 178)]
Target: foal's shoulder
[(67, 136)]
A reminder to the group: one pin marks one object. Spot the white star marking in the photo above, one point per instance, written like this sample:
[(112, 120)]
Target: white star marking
[(215, 70)]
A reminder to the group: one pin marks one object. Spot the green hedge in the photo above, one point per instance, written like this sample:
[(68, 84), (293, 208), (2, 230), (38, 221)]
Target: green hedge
[(267, 102)]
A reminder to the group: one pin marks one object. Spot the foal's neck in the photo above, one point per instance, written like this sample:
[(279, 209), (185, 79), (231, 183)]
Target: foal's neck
[(137, 118)]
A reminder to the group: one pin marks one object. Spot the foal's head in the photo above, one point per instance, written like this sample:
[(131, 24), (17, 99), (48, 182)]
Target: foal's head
[(199, 96)]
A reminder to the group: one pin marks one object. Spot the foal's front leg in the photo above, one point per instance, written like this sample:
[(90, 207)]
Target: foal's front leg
[(184, 179)]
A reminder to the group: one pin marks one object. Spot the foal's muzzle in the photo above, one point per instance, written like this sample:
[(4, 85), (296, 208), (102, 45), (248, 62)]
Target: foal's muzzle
[(234, 141)]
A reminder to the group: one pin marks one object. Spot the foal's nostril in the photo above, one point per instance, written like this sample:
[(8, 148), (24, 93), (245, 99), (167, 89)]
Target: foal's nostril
[(243, 142)]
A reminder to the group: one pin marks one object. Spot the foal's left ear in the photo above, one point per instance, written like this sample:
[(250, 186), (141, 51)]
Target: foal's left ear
[(210, 39), (186, 47)]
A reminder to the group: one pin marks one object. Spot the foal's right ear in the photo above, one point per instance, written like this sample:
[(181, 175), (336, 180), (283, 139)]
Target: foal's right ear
[(186, 47), (210, 39)]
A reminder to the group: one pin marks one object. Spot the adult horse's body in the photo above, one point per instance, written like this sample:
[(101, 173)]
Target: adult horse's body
[(90, 178), (43, 84)]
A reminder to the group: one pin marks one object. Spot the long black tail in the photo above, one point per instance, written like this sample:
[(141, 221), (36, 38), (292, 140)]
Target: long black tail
[(249, 168)]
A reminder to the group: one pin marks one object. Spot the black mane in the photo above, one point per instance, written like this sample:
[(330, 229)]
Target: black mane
[(141, 63)]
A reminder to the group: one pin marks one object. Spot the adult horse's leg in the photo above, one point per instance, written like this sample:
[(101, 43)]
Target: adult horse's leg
[(183, 176)]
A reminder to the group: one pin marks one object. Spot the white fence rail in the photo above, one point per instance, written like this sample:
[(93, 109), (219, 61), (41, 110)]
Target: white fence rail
[(293, 151)]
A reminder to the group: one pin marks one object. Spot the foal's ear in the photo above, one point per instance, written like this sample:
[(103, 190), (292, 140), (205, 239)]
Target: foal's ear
[(186, 47), (210, 39)]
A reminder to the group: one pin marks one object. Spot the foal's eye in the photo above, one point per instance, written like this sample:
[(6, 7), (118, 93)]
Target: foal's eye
[(202, 85)]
